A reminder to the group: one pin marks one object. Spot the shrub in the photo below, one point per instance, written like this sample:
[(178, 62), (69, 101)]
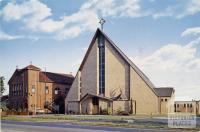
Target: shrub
[(104, 112), (109, 110), (123, 113)]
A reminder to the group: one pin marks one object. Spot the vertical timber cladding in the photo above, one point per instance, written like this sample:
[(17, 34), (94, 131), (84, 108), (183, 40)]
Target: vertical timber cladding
[(101, 46)]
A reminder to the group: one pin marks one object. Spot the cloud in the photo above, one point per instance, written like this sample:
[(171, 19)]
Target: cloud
[(114, 8), (5, 36), (176, 65), (84, 20), (178, 10), (32, 9), (192, 8), (38, 17), (173, 57), (68, 33), (191, 31), (33, 13)]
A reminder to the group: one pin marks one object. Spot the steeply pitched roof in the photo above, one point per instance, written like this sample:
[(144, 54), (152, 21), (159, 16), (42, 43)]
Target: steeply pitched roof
[(164, 91), (137, 70), (56, 77)]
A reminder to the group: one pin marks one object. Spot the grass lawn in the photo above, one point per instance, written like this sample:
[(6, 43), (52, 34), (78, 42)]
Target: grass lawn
[(96, 120), (68, 117)]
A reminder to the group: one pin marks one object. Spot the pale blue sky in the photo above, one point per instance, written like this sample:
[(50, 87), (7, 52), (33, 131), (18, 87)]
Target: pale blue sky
[(156, 35)]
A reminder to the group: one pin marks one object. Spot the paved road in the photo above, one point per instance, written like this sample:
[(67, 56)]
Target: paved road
[(13, 126)]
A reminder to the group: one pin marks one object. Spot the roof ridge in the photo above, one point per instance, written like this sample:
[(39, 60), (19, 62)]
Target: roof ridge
[(59, 73)]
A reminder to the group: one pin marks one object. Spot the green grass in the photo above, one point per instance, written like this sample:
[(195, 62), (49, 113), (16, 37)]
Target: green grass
[(20, 118), (111, 121), (66, 117)]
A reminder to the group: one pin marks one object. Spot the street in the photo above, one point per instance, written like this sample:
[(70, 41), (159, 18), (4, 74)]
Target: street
[(13, 126)]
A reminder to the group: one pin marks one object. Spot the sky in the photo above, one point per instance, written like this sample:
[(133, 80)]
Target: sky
[(161, 37)]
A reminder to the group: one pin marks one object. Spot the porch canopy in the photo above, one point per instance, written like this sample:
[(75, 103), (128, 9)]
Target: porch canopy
[(93, 95)]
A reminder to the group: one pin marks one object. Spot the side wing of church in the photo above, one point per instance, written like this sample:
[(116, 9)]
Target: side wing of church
[(108, 82)]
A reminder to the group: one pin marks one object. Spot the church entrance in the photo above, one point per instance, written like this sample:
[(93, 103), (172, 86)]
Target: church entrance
[(95, 102)]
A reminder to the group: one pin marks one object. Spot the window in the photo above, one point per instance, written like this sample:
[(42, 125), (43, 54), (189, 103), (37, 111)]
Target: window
[(57, 90), (190, 105), (101, 45), (46, 89), (165, 100), (20, 89), (13, 88), (162, 100), (184, 105), (177, 105), (17, 89), (33, 89), (95, 101), (187, 105)]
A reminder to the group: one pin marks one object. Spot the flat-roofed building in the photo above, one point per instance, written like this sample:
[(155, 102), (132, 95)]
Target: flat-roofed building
[(192, 107)]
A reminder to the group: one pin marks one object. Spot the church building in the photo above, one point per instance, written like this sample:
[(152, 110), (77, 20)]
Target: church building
[(108, 82)]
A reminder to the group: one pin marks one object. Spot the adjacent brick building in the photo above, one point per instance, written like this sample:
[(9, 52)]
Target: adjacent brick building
[(107, 81), (33, 90)]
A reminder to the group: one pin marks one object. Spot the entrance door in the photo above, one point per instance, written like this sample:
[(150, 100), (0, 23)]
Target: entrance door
[(95, 102)]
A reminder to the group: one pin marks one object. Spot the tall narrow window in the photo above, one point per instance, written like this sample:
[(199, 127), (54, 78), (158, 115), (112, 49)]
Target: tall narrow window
[(190, 105), (46, 89), (101, 45), (33, 89), (57, 90), (13, 89), (22, 87)]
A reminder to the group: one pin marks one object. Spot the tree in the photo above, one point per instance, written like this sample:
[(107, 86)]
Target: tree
[(2, 87)]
